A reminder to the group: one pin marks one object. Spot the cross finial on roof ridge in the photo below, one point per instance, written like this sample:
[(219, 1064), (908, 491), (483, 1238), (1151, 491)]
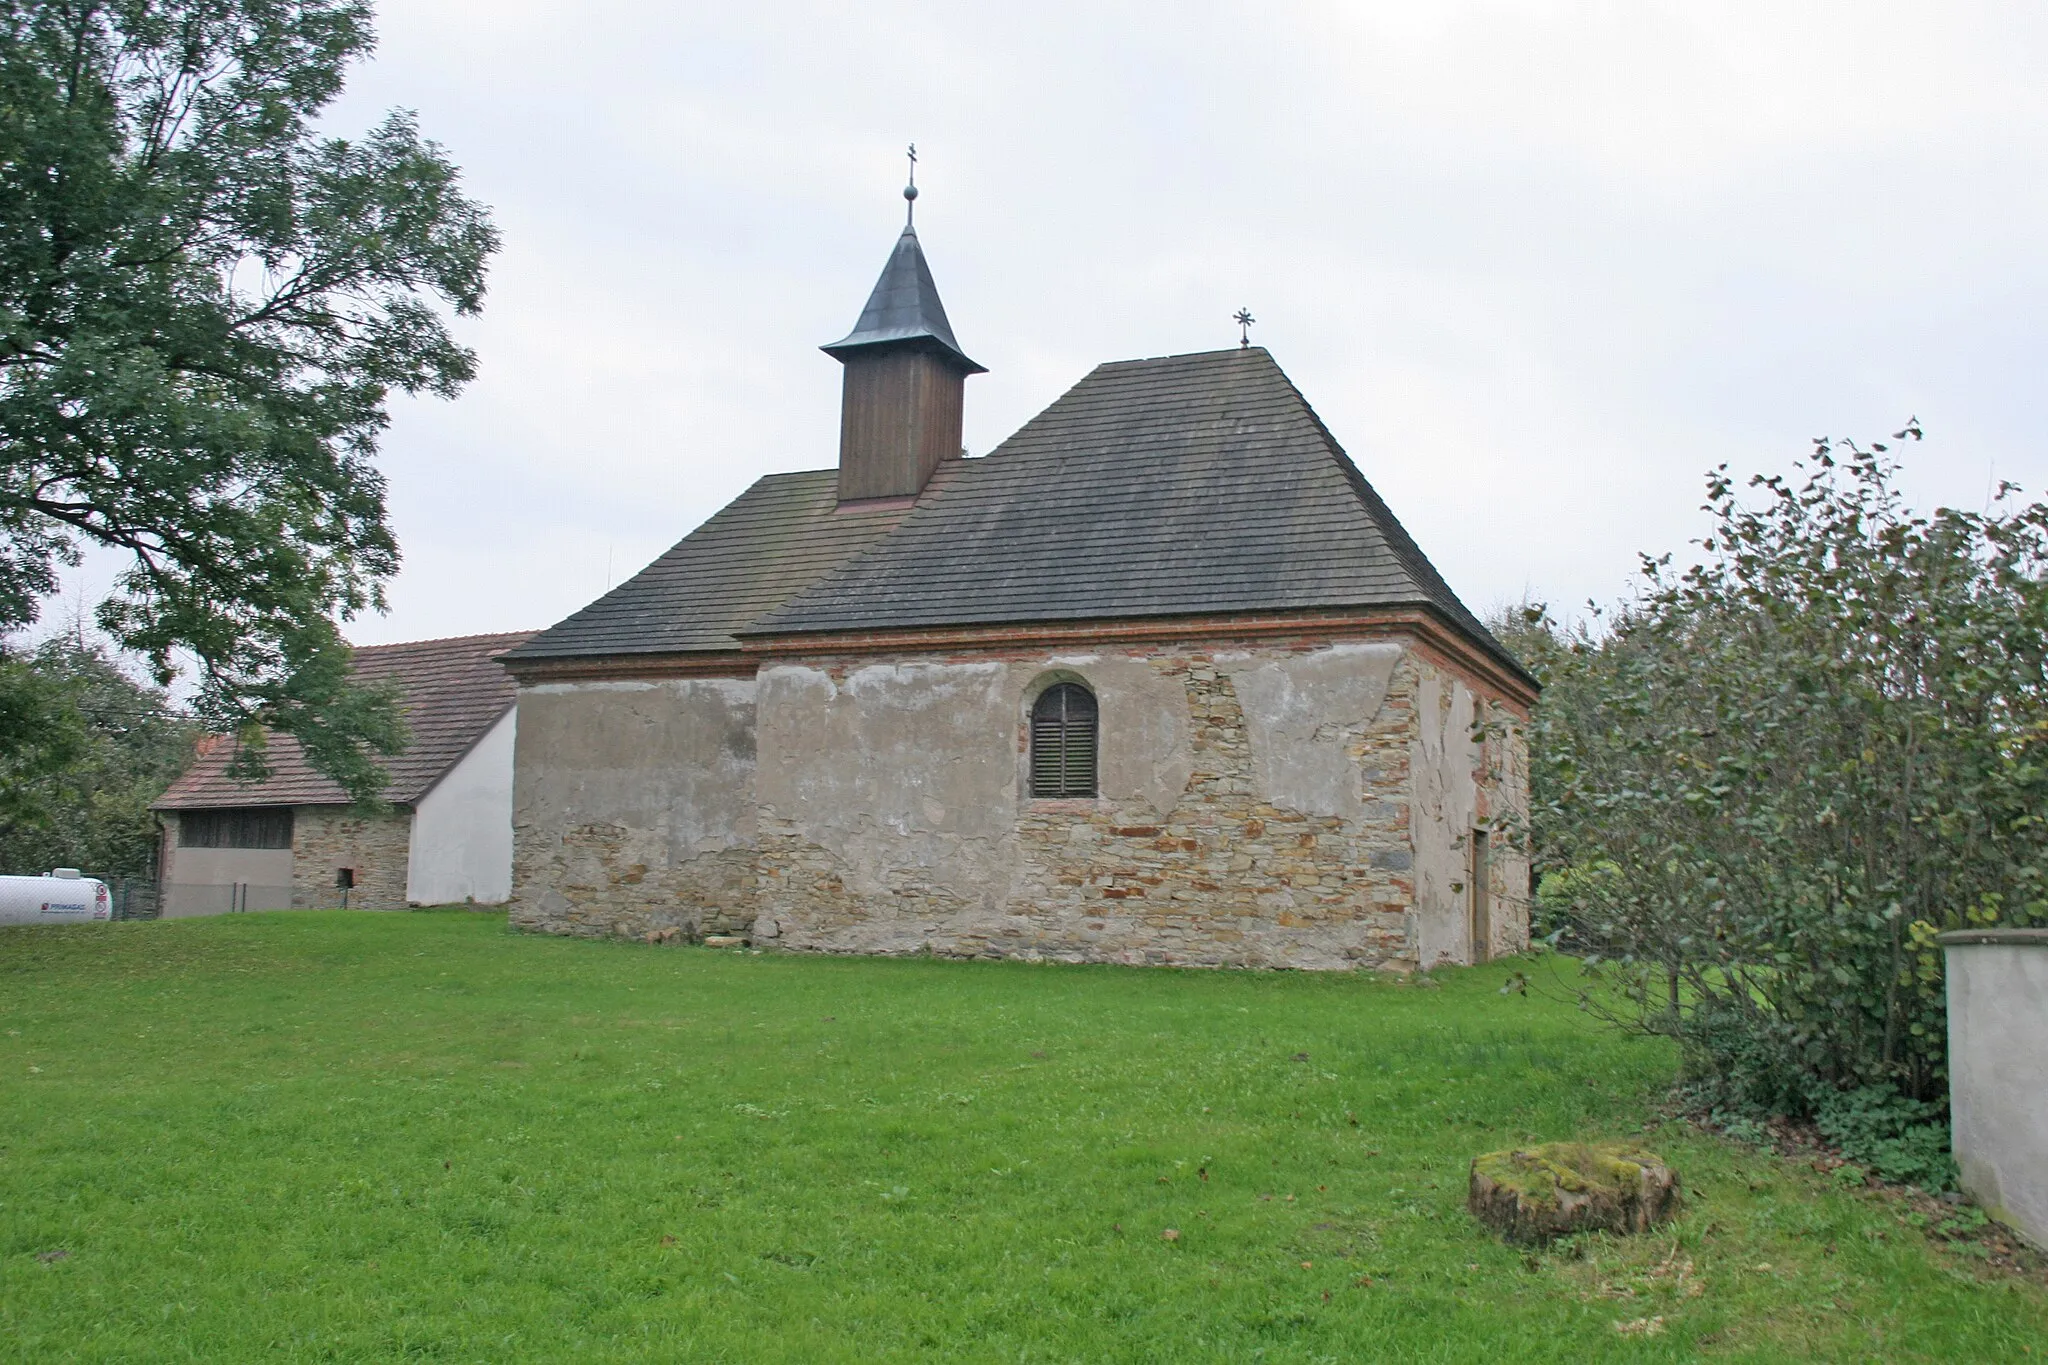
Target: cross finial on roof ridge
[(1244, 320), (910, 191)]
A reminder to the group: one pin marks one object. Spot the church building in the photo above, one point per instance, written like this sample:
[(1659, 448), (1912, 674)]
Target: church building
[(1160, 679)]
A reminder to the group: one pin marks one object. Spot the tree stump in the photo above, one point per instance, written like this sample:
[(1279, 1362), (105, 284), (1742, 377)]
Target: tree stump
[(1532, 1195)]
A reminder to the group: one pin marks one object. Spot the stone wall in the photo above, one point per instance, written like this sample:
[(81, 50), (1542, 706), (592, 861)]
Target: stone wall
[(326, 838), (1255, 809), (1470, 764), (633, 807), (1502, 806), (1260, 806)]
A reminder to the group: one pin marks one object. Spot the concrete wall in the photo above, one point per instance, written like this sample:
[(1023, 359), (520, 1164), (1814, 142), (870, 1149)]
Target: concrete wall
[(633, 807), (1998, 1071), (204, 881), (461, 847), (376, 846)]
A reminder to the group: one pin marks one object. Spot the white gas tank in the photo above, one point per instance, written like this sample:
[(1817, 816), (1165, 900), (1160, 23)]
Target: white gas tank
[(63, 897)]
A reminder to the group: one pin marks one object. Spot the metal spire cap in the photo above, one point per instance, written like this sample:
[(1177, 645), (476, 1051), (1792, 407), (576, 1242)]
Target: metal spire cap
[(904, 309)]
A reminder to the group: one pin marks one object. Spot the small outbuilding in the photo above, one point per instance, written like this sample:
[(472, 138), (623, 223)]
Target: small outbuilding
[(294, 841)]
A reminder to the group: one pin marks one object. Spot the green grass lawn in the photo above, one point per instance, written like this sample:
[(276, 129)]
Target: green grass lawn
[(323, 1136)]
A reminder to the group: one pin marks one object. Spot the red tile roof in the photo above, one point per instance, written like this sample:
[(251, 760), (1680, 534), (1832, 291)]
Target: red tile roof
[(454, 692)]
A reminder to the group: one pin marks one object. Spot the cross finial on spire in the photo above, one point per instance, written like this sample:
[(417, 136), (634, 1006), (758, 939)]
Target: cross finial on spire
[(910, 191), (1244, 320)]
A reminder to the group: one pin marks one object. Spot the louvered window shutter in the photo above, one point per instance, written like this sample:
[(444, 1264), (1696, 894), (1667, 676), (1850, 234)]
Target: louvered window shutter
[(1063, 742)]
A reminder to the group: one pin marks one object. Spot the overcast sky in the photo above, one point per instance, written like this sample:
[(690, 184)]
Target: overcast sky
[(1538, 266)]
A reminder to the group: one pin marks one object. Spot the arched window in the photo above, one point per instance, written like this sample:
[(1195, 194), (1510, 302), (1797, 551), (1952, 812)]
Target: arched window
[(1063, 724)]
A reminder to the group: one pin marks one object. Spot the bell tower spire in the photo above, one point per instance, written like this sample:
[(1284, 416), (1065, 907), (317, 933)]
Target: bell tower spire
[(903, 393)]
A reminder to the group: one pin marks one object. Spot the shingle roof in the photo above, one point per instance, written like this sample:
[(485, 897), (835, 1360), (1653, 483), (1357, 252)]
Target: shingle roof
[(775, 539), (454, 692), (1186, 485), (904, 307)]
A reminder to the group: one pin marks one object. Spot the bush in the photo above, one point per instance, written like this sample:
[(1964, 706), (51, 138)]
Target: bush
[(1761, 789), (1897, 1139)]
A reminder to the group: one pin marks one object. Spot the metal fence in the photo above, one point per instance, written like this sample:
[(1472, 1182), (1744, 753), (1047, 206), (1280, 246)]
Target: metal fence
[(225, 898), (134, 898)]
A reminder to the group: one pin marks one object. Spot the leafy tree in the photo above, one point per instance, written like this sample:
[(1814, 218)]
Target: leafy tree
[(41, 734), (204, 306), (1761, 788), (122, 743)]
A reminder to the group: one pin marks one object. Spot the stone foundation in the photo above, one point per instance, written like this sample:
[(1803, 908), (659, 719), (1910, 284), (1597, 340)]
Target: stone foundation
[(599, 880)]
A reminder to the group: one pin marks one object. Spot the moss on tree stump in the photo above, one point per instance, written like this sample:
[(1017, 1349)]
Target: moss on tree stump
[(1531, 1195)]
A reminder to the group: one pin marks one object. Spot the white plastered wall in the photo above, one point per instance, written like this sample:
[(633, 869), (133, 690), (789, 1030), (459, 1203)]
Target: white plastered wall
[(1998, 1072), (462, 829)]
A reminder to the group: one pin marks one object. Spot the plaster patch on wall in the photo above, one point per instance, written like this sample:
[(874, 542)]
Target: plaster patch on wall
[(888, 808), (633, 805), (1446, 797), (1147, 752), (1180, 861), (558, 689), (1504, 809), (1304, 711), (900, 766)]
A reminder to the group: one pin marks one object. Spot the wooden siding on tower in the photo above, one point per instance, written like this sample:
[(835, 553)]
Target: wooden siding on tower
[(900, 415)]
